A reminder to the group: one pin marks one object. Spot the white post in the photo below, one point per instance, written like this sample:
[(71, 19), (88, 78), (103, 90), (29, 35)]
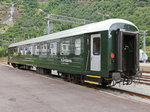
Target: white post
[(103, 16), (48, 24), (144, 44)]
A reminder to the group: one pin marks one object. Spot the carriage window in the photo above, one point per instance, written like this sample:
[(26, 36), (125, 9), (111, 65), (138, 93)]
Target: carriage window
[(53, 48), (21, 50), (28, 50), (11, 51), (96, 46), (77, 46), (15, 51), (65, 48), (45, 46), (44, 49), (37, 49)]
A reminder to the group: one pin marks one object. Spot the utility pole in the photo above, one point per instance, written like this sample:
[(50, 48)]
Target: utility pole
[(144, 40), (143, 33), (49, 24), (144, 43)]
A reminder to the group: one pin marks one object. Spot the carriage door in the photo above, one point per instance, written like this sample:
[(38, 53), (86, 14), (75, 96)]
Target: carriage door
[(95, 52)]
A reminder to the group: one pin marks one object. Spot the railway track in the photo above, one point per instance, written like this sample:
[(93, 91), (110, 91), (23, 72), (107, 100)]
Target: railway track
[(130, 93), (121, 91), (145, 76), (145, 71), (144, 79), (142, 83)]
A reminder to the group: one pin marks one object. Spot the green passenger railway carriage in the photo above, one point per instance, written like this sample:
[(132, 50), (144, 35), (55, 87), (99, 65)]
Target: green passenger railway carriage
[(97, 53)]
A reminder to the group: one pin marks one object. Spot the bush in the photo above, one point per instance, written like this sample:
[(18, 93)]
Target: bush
[(148, 54), (3, 51)]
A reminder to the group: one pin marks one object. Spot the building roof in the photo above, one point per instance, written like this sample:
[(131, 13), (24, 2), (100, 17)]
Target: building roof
[(89, 28)]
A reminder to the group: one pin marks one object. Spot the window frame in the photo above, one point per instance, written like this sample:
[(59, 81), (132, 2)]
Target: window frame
[(52, 48), (95, 50), (77, 46), (67, 50)]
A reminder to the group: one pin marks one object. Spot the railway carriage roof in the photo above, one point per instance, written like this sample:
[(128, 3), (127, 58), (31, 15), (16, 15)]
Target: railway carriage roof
[(89, 28)]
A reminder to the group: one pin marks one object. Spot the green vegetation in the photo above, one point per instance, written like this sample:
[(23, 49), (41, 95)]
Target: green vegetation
[(2, 25), (3, 51), (148, 54), (30, 23)]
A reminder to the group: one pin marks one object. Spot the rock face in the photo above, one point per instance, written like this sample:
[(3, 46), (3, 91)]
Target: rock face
[(10, 16)]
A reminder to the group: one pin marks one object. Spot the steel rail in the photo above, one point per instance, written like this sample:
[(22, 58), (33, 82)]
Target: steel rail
[(142, 83), (145, 76), (145, 79), (145, 71), (131, 93)]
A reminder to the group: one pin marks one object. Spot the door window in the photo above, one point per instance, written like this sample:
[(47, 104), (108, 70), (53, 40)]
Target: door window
[(96, 46)]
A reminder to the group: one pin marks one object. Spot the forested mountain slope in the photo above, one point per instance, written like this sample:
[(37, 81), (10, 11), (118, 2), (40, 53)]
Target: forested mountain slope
[(29, 21)]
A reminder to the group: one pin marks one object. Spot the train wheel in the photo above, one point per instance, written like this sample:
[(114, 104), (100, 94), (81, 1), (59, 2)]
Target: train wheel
[(19, 66), (74, 79), (105, 83), (14, 65), (64, 77)]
